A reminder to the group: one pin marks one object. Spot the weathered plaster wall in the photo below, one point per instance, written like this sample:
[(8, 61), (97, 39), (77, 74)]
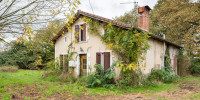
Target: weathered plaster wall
[(89, 47), (154, 56)]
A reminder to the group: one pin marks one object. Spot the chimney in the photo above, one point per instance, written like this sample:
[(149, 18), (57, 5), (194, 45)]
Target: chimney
[(143, 18)]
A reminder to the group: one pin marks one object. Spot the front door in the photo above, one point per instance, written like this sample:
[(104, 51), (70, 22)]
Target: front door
[(83, 65)]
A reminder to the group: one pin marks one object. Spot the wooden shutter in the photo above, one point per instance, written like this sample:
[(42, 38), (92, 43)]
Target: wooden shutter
[(106, 60), (175, 63), (84, 32), (98, 58), (65, 63), (77, 32), (61, 61)]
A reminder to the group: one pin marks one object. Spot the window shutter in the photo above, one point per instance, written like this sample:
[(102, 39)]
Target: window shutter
[(61, 61), (106, 60), (77, 32), (98, 58), (84, 32), (65, 63), (175, 63)]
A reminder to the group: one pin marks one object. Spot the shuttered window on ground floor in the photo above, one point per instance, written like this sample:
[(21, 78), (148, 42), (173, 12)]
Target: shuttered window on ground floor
[(103, 58)]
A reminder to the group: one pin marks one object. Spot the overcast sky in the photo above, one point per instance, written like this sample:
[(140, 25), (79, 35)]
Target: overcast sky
[(108, 8), (112, 8)]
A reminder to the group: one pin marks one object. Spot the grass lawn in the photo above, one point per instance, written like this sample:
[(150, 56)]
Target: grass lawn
[(28, 84)]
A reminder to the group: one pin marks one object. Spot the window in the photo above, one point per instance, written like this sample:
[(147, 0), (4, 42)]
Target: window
[(65, 39), (63, 62), (83, 32), (84, 63), (103, 58), (80, 32)]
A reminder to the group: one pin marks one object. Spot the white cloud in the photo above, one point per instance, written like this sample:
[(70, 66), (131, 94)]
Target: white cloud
[(112, 8)]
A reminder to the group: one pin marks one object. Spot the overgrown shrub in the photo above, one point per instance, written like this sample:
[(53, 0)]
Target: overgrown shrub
[(125, 79), (195, 66), (134, 78), (53, 66), (101, 77), (184, 63), (163, 75), (8, 69)]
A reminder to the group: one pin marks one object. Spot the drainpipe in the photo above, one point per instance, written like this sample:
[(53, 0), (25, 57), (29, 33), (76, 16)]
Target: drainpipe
[(163, 64)]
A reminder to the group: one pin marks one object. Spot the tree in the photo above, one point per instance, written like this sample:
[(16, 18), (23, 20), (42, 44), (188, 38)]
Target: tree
[(32, 53), (179, 20), (129, 17), (18, 15), (40, 44)]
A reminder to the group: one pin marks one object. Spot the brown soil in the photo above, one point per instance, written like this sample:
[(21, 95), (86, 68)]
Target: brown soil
[(184, 92)]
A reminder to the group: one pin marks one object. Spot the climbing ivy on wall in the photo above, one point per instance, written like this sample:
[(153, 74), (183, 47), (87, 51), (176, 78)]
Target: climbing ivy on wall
[(167, 58), (129, 44)]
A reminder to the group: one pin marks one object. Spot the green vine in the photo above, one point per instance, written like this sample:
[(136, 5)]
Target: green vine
[(129, 44), (167, 58)]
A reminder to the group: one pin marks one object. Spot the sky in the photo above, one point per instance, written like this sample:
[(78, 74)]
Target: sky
[(107, 8), (112, 8)]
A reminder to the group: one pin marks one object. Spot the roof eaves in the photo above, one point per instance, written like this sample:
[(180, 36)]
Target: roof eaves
[(158, 38)]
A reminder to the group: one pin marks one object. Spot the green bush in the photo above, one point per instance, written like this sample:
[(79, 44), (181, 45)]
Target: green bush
[(134, 78), (125, 79), (195, 66), (101, 77), (53, 66), (164, 75)]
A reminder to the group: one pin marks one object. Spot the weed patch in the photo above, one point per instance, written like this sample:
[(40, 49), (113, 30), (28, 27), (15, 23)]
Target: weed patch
[(196, 95), (8, 69)]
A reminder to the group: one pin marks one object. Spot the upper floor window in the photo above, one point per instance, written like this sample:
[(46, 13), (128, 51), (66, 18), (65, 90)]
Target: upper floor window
[(80, 32), (65, 39)]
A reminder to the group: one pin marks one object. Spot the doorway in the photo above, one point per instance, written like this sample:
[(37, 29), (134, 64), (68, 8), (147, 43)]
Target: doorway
[(83, 65)]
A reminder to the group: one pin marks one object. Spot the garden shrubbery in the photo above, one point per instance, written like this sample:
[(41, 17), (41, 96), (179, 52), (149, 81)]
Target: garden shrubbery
[(105, 78), (163, 75), (101, 77), (138, 79)]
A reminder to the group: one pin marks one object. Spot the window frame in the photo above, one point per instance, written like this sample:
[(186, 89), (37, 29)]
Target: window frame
[(65, 39), (81, 33)]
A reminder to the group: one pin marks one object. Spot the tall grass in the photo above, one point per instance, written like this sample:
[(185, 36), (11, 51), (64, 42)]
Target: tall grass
[(8, 68)]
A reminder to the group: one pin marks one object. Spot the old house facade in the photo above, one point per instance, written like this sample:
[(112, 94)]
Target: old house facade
[(90, 49)]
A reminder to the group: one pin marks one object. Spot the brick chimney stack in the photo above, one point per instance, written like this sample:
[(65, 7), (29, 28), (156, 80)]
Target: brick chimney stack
[(143, 18)]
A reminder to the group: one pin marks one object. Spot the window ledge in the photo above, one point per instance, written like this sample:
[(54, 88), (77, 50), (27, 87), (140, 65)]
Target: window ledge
[(83, 42)]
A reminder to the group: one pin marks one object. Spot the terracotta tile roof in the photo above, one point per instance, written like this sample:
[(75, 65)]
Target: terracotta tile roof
[(106, 20), (101, 19)]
